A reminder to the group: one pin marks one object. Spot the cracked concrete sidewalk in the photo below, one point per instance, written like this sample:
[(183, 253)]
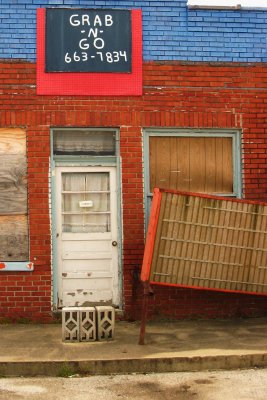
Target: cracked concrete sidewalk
[(35, 349)]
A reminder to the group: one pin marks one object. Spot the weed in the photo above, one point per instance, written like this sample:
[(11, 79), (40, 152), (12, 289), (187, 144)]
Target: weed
[(66, 370)]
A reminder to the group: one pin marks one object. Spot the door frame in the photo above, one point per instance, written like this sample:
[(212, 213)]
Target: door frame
[(83, 161)]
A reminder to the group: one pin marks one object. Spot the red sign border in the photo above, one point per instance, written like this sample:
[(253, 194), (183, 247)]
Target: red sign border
[(91, 83)]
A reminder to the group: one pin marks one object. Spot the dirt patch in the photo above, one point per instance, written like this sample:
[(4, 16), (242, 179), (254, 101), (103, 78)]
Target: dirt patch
[(154, 390), (203, 381)]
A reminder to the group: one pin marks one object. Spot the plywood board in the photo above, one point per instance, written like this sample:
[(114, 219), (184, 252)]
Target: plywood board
[(14, 238), (198, 164), (13, 184), (14, 241), (12, 141)]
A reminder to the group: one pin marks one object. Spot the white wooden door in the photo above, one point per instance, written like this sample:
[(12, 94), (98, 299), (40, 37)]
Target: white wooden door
[(87, 251)]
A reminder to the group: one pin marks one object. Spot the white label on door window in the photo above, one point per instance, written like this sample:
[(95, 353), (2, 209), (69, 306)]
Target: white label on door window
[(87, 203)]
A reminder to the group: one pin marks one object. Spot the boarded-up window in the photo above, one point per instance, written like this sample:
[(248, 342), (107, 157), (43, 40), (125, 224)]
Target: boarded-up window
[(13, 196), (195, 164)]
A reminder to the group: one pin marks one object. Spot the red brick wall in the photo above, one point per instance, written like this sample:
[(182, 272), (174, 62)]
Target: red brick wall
[(181, 95)]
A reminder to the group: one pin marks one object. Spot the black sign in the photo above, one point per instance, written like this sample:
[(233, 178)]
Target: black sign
[(88, 40)]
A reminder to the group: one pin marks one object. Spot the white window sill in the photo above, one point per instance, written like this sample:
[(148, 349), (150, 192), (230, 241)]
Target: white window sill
[(227, 4)]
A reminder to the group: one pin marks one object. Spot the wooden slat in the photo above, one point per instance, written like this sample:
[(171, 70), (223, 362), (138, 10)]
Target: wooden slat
[(152, 164), (169, 208), (159, 162), (197, 165), (174, 160), (168, 246), (220, 166), (183, 164), (211, 165), (159, 245), (227, 166)]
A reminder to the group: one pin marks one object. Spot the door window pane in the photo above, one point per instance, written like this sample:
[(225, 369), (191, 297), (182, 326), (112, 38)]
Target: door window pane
[(85, 202)]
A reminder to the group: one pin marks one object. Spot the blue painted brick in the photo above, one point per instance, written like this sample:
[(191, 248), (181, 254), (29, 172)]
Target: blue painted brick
[(171, 31)]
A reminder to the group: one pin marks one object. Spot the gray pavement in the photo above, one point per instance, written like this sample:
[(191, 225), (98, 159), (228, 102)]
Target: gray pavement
[(32, 350), (206, 385)]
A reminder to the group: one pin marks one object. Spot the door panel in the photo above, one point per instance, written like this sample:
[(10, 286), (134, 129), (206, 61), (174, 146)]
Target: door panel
[(97, 265), (86, 233), (87, 292)]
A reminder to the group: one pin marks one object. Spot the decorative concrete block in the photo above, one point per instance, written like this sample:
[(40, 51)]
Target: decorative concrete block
[(105, 322), (87, 324), (70, 324)]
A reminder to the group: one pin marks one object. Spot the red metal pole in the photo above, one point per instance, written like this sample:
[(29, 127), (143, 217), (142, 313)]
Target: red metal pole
[(147, 292)]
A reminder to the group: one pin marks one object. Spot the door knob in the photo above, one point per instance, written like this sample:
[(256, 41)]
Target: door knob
[(114, 243)]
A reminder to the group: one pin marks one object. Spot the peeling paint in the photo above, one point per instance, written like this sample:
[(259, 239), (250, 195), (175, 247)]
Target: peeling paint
[(88, 303), (30, 266), (16, 266)]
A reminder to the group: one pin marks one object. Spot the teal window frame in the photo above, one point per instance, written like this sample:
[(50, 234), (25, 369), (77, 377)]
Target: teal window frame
[(235, 134)]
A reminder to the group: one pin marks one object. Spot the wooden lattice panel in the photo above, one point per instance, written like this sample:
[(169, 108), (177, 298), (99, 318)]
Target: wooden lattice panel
[(208, 242)]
